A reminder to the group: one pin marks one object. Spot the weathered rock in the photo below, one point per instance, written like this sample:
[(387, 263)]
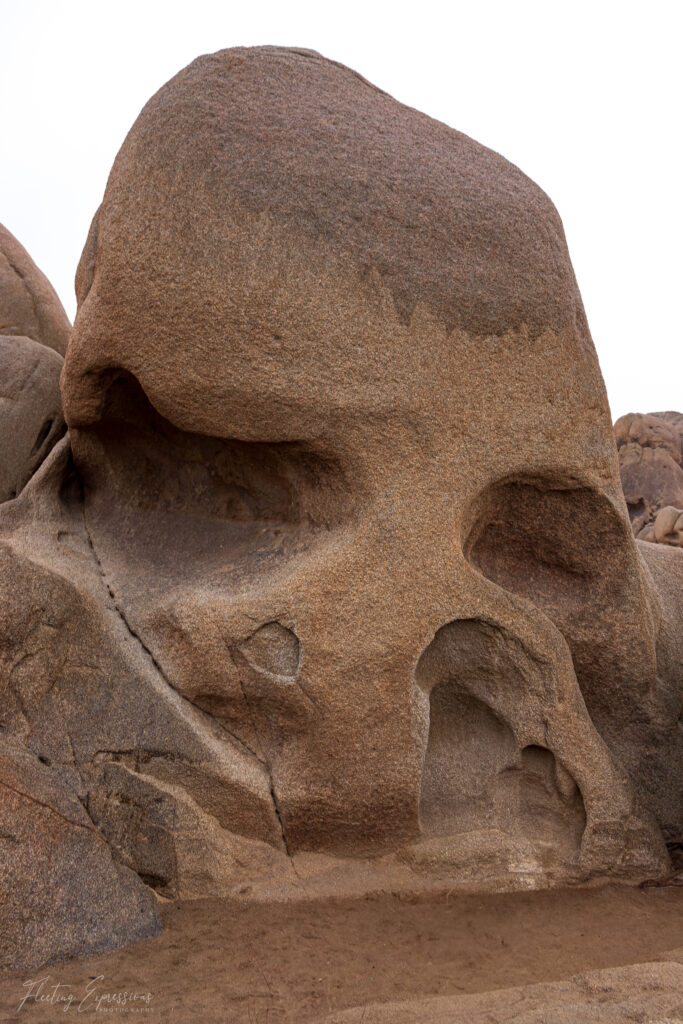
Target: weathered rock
[(61, 893), (29, 306), (650, 463), (668, 526), (660, 744), (31, 420), (339, 559), (33, 334)]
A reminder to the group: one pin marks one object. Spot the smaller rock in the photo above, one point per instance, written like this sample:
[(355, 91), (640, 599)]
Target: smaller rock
[(668, 526), (61, 893), (651, 466), (29, 305), (31, 420)]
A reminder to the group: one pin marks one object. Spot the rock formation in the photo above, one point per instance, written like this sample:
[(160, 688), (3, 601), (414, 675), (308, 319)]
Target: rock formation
[(33, 335), (650, 462), (332, 582), (61, 891), (29, 306)]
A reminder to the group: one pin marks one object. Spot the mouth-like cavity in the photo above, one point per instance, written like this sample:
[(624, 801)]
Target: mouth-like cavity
[(478, 774)]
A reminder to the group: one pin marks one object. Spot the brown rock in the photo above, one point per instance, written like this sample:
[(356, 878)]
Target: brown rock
[(668, 526), (659, 743), (339, 561), (33, 334), (29, 306), (650, 456), (31, 420), (61, 893)]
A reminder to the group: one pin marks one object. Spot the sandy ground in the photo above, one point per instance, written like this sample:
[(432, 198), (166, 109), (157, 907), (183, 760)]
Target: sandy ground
[(220, 961)]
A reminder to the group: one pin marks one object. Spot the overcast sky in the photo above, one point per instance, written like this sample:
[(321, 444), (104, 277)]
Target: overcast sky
[(584, 97)]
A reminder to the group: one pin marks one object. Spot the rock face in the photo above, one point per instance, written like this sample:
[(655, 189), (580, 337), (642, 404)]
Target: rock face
[(336, 559), (61, 890), (650, 462), (29, 306), (33, 334), (31, 420)]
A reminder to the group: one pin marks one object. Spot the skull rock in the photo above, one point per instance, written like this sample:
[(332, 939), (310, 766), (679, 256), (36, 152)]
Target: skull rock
[(352, 569)]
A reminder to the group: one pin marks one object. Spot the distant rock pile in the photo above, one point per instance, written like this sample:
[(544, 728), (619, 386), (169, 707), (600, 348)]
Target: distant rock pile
[(651, 465)]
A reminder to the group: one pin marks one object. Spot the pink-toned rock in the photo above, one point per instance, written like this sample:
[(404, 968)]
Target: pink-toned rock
[(29, 305), (650, 456), (335, 563), (33, 334), (31, 420), (61, 891)]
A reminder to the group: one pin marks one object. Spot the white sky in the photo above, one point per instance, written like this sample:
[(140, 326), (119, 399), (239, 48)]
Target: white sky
[(584, 97)]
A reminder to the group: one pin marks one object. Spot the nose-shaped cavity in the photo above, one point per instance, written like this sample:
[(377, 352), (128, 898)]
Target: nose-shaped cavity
[(478, 775), (274, 649)]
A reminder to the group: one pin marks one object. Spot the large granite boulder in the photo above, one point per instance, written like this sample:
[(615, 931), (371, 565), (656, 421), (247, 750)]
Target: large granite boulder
[(334, 575)]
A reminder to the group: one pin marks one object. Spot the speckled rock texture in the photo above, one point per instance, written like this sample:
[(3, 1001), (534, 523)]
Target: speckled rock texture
[(60, 889), (31, 420), (650, 462), (34, 330), (29, 306), (333, 584)]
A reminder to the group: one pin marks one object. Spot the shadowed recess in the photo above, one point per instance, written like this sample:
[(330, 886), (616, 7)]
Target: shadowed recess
[(476, 774), (183, 505), (567, 551)]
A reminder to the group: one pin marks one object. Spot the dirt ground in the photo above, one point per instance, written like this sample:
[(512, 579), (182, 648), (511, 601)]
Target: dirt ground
[(221, 961)]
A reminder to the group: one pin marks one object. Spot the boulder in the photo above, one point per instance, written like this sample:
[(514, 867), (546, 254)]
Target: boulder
[(29, 306), (34, 330), (334, 566), (650, 463), (61, 892), (31, 420)]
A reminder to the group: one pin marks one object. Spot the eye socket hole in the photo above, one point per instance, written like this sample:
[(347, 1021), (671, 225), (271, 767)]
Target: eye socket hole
[(43, 435), (566, 549)]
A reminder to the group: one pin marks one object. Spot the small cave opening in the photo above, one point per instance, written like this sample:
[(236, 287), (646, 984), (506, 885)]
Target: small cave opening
[(476, 775)]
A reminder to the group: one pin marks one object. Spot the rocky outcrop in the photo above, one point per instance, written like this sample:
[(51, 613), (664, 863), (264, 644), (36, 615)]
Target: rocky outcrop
[(33, 334), (650, 463), (61, 891), (334, 563), (31, 420), (29, 306)]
